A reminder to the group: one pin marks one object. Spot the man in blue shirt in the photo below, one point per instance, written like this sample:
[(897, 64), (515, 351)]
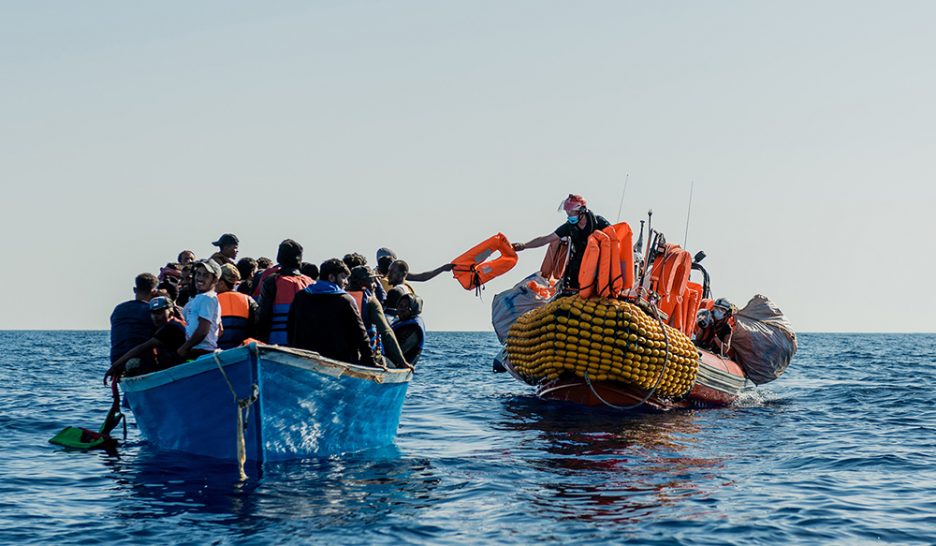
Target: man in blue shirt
[(131, 324)]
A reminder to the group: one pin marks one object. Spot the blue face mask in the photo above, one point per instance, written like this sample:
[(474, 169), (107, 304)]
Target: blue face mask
[(573, 219), (718, 314)]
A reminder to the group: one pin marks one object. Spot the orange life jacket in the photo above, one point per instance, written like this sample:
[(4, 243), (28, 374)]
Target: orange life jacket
[(625, 237), (235, 316), (669, 276), (557, 256), (691, 307), (607, 267), (588, 270), (473, 268), (286, 288)]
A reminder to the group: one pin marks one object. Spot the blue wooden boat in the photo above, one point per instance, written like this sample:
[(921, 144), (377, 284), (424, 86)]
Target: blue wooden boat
[(292, 403)]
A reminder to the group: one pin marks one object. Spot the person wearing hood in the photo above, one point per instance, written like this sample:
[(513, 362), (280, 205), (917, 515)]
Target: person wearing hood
[(325, 319), (580, 224), (278, 291)]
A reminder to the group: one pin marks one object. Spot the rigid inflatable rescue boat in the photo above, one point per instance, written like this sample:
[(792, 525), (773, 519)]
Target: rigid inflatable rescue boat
[(629, 336)]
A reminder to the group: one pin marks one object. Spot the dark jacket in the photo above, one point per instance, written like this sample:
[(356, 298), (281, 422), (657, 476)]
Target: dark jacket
[(131, 325), (323, 318)]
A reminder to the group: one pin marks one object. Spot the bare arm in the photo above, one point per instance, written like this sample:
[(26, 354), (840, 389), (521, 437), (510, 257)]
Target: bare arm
[(118, 367), (536, 243), (204, 325), (387, 337), (425, 276)]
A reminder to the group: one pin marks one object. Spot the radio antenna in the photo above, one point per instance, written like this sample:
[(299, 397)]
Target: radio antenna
[(688, 214), (621, 205)]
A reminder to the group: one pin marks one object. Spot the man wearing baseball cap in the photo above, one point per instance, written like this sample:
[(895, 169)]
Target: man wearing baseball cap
[(169, 336), (203, 312), (227, 245)]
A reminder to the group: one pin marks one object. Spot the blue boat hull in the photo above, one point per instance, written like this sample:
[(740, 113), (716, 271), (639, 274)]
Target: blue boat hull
[(306, 405)]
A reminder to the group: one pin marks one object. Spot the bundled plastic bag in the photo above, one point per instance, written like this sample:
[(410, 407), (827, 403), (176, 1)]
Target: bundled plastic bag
[(762, 341), (531, 293)]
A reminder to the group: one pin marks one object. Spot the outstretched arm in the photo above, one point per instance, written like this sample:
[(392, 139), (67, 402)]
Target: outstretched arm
[(119, 366), (425, 276), (536, 243)]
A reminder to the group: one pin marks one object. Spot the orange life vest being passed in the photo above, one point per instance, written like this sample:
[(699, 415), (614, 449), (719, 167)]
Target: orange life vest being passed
[(473, 268)]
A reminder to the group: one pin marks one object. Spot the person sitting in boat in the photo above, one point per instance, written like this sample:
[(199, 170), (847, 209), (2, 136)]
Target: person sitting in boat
[(227, 249), (383, 341), (309, 270), (247, 268), (409, 328), (264, 265), (186, 257), (186, 288), (324, 318), (386, 258), (396, 278), (130, 322), (581, 223), (714, 326), (354, 259), (239, 312), (277, 292), (203, 312), (166, 341)]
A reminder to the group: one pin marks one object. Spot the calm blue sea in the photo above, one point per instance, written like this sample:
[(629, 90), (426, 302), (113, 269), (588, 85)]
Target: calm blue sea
[(840, 450)]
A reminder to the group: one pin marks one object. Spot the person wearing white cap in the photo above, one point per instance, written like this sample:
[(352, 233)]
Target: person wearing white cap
[(203, 312)]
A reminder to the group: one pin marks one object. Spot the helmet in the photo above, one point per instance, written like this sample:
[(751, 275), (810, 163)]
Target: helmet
[(723, 303), (572, 204), (704, 319)]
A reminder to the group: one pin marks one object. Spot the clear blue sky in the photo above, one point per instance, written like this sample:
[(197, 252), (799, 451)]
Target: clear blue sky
[(133, 130)]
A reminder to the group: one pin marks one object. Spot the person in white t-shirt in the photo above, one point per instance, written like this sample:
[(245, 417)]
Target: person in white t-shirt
[(203, 312)]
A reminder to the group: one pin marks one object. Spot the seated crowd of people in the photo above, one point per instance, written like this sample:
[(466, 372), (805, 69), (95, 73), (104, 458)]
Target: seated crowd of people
[(341, 309)]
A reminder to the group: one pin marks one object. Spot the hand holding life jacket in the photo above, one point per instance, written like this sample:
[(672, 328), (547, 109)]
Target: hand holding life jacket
[(474, 267)]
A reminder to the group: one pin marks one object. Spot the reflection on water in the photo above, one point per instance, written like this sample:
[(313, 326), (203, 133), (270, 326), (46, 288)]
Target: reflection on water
[(361, 488), (639, 459)]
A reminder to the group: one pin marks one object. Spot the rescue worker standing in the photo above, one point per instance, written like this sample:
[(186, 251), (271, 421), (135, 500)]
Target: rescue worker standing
[(580, 224), (278, 291), (714, 325)]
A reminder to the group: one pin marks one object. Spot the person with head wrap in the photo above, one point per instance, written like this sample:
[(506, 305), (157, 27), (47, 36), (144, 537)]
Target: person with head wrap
[(278, 291), (580, 224)]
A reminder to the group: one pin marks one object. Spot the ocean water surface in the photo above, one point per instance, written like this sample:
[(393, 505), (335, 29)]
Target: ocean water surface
[(839, 450)]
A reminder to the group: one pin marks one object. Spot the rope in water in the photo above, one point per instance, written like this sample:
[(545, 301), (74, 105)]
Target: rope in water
[(243, 412)]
